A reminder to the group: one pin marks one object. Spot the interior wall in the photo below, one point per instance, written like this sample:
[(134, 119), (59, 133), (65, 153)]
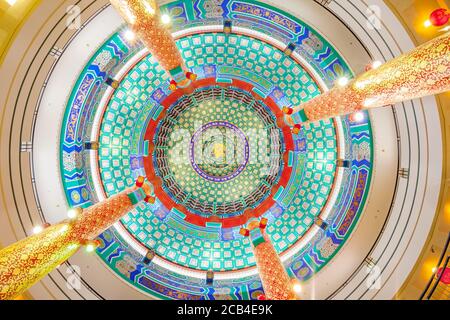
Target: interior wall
[(411, 9), (412, 14)]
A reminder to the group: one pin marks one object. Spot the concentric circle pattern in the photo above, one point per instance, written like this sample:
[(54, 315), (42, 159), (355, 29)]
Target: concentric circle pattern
[(219, 155), (218, 152)]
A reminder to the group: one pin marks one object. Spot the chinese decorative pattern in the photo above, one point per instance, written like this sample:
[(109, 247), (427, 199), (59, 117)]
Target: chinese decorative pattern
[(144, 18), (24, 263), (275, 280), (422, 72)]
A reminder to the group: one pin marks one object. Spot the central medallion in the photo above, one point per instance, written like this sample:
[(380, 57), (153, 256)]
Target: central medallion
[(219, 151)]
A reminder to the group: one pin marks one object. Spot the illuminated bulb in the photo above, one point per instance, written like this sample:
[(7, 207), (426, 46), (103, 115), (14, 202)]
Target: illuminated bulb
[(72, 213), (297, 288), (129, 35), (90, 248), (91, 245), (11, 2), (38, 229), (342, 81), (427, 24), (358, 117), (165, 18), (434, 270), (376, 64)]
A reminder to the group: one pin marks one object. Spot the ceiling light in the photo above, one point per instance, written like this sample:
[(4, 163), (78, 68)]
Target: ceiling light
[(297, 288), (73, 213), (434, 270), (38, 229), (129, 35), (343, 81), (427, 24), (91, 245), (11, 2), (165, 18), (376, 64), (90, 248), (357, 116)]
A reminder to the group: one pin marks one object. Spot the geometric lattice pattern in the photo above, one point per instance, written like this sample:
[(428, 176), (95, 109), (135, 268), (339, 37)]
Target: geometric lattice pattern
[(219, 170), (166, 232), (137, 101)]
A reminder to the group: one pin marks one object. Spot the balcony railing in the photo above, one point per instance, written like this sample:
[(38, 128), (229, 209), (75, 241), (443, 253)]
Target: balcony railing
[(438, 288)]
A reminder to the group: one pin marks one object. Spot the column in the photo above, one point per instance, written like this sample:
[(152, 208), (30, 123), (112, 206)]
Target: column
[(144, 19), (275, 280), (24, 263), (422, 72)]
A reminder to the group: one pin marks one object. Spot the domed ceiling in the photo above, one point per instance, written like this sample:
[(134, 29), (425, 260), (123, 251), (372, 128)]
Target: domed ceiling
[(217, 156)]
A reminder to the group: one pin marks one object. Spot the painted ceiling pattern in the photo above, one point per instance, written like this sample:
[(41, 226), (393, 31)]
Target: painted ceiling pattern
[(223, 136), (136, 113)]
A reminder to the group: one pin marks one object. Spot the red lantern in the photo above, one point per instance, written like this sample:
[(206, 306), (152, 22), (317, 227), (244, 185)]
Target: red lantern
[(150, 199), (439, 17), (444, 275), (296, 129), (244, 232), (191, 76), (140, 182), (173, 85), (263, 223), (287, 110)]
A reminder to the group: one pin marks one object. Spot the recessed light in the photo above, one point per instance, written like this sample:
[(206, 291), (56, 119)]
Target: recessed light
[(37, 229), (357, 116), (129, 35), (297, 288), (343, 81), (376, 64), (165, 18)]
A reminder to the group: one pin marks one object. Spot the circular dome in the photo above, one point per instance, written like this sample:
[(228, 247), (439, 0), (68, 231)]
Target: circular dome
[(350, 191), (218, 152), (219, 156)]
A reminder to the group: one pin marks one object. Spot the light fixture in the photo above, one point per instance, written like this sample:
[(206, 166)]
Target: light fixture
[(91, 245), (343, 81), (376, 64), (129, 35), (427, 24), (11, 2), (165, 18), (357, 116), (297, 288), (434, 270), (74, 213), (37, 229)]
